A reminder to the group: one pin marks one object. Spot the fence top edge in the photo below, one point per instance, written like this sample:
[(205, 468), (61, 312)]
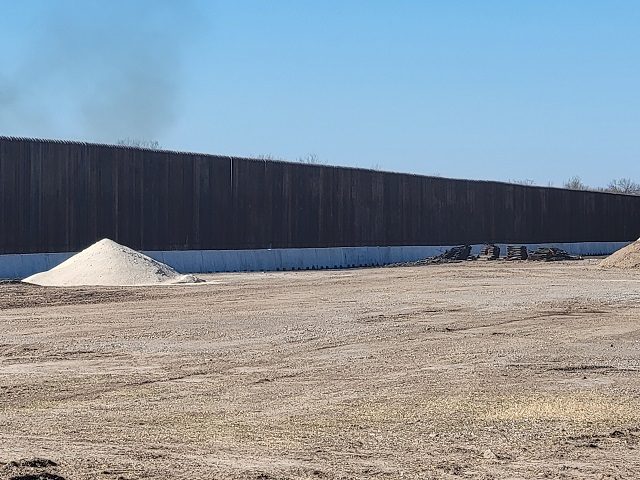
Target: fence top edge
[(80, 143)]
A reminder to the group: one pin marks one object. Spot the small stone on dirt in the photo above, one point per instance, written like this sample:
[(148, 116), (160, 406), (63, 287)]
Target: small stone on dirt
[(489, 455)]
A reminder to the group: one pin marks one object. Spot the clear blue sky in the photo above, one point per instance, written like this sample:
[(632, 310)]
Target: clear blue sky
[(538, 89)]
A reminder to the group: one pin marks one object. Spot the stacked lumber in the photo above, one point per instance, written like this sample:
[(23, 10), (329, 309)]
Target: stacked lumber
[(490, 252), (551, 254), (517, 252)]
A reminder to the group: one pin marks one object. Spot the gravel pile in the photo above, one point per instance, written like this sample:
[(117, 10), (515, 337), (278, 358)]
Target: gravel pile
[(627, 257), (108, 263)]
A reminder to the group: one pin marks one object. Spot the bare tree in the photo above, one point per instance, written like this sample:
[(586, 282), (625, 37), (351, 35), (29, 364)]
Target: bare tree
[(574, 183), (268, 156), (526, 181), (311, 159), (623, 185), (139, 143)]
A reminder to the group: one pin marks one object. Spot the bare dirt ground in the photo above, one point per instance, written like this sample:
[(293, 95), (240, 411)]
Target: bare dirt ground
[(475, 370)]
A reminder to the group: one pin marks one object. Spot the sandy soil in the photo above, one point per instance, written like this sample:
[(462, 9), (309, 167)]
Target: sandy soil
[(476, 370)]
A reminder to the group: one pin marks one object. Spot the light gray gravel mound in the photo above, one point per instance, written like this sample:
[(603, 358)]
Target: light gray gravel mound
[(108, 263)]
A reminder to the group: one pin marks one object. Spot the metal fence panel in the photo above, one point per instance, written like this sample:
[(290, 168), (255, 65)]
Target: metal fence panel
[(63, 196)]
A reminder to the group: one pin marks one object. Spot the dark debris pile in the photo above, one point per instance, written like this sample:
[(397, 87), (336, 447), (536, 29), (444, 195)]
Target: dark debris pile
[(453, 255), (551, 254), (492, 252)]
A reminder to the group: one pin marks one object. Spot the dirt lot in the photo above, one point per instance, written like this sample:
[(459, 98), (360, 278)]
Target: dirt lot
[(477, 370)]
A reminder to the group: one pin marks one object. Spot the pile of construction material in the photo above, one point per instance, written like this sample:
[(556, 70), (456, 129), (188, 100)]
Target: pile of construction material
[(453, 255), (551, 254), (490, 252), (626, 258), (541, 254), (110, 264), (517, 252)]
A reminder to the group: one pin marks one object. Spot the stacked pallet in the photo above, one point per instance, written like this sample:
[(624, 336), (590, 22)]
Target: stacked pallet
[(551, 254), (517, 252), (490, 252)]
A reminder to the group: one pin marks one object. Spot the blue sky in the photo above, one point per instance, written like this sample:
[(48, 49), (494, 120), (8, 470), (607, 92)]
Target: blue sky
[(540, 90)]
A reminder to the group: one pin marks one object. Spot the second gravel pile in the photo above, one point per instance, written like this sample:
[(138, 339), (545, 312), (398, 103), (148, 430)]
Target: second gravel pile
[(627, 257)]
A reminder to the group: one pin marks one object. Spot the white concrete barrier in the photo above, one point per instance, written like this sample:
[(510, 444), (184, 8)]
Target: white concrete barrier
[(18, 266)]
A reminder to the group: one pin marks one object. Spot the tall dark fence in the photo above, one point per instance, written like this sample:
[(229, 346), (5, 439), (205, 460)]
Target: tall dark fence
[(63, 196)]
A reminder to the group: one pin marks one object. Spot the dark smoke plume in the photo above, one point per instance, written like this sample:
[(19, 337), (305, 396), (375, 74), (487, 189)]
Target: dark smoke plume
[(115, 66)]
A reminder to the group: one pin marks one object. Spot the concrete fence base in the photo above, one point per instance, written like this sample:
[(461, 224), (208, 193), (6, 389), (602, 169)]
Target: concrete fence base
[(18, 266)]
